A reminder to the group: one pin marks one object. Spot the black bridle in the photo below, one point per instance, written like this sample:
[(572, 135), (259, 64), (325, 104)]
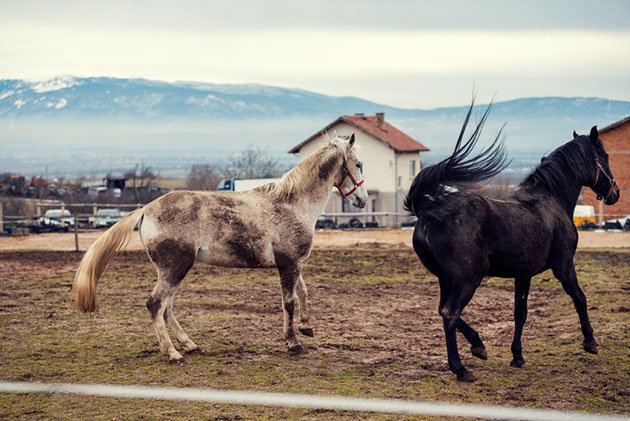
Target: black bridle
[(612, 181)]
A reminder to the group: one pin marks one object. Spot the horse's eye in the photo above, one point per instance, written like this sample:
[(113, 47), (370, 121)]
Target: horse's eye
[(360, 166)]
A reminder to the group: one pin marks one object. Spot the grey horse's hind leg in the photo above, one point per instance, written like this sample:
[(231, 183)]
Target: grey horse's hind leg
[(188, 345), (157, 304), (302, 294), (173, 260)]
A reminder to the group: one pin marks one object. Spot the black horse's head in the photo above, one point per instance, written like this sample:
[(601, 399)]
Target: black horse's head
[(602, 180)]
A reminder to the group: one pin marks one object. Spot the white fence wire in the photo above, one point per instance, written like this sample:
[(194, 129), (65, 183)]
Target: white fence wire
[(291, 400)]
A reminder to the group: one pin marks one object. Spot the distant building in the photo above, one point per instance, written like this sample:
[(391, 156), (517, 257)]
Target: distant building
[(616, 138), (115, 181), (391, 159)]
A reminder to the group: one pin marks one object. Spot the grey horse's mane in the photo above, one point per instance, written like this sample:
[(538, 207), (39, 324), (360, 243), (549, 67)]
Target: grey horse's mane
[(297, 177)]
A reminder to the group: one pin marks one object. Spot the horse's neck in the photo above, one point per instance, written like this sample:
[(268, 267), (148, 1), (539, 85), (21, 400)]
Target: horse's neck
[(569, 197), (313, 199), (313, 195)]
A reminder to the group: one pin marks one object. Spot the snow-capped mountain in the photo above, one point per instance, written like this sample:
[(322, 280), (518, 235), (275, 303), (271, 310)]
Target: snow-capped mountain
[(73, 123), (135, 99), (142, 99)]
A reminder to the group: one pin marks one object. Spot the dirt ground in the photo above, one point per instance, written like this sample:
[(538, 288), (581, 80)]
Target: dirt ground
[(323, 239), (377, 332)]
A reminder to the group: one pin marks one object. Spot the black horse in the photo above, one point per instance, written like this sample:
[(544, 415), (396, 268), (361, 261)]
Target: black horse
[(461, 236)]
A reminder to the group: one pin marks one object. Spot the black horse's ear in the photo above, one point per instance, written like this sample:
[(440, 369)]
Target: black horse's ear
[(575, 134), (351, 142), (594, 134)]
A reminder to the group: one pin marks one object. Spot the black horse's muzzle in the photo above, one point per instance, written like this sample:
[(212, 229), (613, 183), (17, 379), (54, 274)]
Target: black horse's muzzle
[(613, 196)]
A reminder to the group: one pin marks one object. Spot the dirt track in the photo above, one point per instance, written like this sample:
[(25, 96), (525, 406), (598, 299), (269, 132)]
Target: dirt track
[(323, 239), (377, 334)]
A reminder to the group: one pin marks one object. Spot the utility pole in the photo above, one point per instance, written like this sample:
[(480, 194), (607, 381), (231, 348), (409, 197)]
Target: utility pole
[(395, 188)]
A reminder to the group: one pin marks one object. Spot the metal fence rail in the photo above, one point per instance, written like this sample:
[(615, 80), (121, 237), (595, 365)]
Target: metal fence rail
[(291, 400)]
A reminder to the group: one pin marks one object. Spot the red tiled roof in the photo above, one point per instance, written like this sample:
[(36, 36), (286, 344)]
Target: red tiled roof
[(388, 134)]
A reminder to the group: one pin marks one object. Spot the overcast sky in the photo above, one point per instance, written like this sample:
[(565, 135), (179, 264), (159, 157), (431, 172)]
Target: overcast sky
[(402, 53)]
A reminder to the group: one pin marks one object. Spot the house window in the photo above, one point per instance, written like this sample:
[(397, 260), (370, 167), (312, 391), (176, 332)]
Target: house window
[(412, 168)]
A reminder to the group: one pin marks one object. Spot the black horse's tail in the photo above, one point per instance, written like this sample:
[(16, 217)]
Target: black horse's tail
[(458, 169)]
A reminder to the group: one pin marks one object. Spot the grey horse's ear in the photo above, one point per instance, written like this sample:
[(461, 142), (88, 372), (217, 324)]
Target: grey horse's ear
[(575, 134), (351, 142), (594, 134)]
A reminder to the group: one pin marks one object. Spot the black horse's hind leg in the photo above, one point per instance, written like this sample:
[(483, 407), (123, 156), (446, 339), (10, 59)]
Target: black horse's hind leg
[(477, 348), (453, 298), (521, 291), (568, 278)]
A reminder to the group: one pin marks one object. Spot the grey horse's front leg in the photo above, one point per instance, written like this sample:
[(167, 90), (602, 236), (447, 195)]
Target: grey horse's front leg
[(289, 275), (305, 318)]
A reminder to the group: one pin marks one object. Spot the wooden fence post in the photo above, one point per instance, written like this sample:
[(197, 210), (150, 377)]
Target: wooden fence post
[(76, 233)]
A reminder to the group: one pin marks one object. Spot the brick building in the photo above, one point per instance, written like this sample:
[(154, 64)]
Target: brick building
[(616, 138)]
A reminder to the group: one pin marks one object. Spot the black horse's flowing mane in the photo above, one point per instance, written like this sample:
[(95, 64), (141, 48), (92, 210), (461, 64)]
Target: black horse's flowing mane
[(459, 169), (573, 161)]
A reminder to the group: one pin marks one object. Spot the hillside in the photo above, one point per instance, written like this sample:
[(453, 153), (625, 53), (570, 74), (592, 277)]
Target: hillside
[(69, 124)]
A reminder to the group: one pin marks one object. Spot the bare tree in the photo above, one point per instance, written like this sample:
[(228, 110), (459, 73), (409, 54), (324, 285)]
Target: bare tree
[(253, 163), (500, 187), (141, 178), (203, 177)]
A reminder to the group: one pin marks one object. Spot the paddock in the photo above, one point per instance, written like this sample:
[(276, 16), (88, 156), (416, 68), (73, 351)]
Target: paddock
[(377, 335)]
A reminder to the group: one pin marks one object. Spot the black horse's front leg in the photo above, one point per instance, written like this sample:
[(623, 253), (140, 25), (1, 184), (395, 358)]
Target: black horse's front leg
[(521, 291), (568, 278)]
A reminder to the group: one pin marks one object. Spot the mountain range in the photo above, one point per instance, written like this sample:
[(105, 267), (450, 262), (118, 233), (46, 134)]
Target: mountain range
[(104, 121)]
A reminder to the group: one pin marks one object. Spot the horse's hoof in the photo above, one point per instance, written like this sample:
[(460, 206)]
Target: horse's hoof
[(517, 362), (194, 351), (479, 352), (177, 360), (306, 331), (296, 349), (466, 377), (590, 347)]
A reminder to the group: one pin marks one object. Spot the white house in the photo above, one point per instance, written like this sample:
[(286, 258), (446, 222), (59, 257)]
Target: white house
[(391, 159)]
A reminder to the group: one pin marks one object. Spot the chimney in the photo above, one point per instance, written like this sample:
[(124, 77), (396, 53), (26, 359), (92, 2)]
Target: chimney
[(380, 119)]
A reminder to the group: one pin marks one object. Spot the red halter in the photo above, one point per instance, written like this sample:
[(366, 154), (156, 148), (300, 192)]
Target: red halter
[(347, 174)]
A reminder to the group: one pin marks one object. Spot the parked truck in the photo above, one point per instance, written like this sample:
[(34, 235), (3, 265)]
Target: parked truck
[(236, 184), (583, 214)]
